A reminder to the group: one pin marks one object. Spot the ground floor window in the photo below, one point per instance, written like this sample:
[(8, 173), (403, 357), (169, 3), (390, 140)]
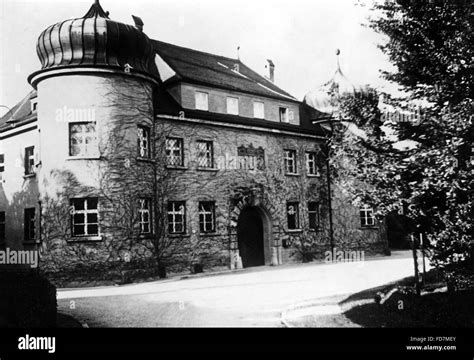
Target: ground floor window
[(85, 217), (292, 211), (29, 224), (176, 217), (2, 226), (313, 215), (207, 217), (367, 218)]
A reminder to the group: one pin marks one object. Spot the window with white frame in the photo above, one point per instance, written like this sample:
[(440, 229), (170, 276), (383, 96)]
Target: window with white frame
[(30, 224), (293, 215), (143, 141), (290, 162), (144, 215), (207, 217), (29, 160), (176, 217), (367, 218), (205, 154), (174, 152), (232, 105), (34, 104), (311, 164), (85, 217), (2, 163), (258, 110), (313, 215), (83, 139), (202, 100), (283, 111), (2, 226)]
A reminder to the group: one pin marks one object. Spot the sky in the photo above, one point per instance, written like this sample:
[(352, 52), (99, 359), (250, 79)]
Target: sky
[(299, 36)]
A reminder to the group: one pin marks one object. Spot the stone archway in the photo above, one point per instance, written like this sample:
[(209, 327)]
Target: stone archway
[(259, 211)]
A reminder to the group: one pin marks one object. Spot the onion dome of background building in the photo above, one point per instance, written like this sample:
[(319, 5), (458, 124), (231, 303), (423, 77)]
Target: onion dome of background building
[(95, 40), (322, 97)]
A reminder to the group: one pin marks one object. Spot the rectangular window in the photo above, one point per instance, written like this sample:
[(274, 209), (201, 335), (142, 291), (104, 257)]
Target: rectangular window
[(205, 154), (293, 215), (202, 101), (207, 217), (311, 165), (29, 160), (83, 139), (2, 226), (85, 217), (367, 218), (258, 110), (174, 152), (290, 162), (34, 105), (232, 106), (283, 114), (313, 215), (2, 163), (176, 217), (30, 224), (143, 142), (144, 215)]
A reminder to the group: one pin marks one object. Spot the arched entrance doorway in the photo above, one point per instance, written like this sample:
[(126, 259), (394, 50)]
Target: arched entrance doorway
[(250, 234)]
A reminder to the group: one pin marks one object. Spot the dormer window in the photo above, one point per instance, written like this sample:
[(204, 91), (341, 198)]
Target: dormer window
[(202, 101), (34, 104), (284, 115), (232, 106), (258, 110)]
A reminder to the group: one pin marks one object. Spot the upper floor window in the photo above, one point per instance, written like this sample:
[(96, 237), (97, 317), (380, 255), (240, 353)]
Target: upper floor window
[(293, 215), (176, 217), (34, 104), (2, 226), (258, 110), (144, 215), (85, 217), (207, 217), (205, 154), (290, 162), (313, 215), (232, 106), (202, 100), (29, 160), (2, 163), (83, 139), (143, 141), (30, 224), (174, 152), (284, 114), (367, 217), (311, 164)]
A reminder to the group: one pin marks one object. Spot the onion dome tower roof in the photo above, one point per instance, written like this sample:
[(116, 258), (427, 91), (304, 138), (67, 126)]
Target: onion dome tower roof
[(95, 40), (321, 98)]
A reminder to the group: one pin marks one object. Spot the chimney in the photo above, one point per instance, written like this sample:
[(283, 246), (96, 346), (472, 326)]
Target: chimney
[(138, 22), (271, 70)]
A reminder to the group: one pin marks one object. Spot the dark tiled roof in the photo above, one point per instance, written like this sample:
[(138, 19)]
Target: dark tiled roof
[(20, 113), (200, 67)]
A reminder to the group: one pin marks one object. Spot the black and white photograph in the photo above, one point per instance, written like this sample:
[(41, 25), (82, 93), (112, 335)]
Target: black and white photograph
[(277, 165)]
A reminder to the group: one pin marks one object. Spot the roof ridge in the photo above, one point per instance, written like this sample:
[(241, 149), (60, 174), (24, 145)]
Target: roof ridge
[(197, 51)]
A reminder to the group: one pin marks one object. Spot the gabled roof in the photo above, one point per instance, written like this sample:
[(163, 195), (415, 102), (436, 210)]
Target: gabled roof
[(19, 114), (216, 71)]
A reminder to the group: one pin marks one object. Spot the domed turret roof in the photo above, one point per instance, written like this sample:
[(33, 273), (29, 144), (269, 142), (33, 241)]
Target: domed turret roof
[(322, 97), (95, 40)]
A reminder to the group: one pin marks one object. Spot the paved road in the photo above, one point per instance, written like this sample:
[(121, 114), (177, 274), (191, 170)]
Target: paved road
[(248, 298)]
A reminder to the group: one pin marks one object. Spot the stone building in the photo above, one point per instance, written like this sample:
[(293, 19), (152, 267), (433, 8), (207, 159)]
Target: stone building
[(129, 150)]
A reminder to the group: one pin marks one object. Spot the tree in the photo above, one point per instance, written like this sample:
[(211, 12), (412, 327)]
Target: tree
[(430, 44)]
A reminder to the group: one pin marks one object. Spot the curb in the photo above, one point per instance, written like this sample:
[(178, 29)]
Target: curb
[(315, 304)]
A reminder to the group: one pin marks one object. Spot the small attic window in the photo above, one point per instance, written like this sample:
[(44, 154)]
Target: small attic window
[(34, 104)]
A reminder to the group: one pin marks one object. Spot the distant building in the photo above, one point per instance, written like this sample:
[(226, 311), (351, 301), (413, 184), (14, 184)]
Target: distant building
[(129, 147)]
